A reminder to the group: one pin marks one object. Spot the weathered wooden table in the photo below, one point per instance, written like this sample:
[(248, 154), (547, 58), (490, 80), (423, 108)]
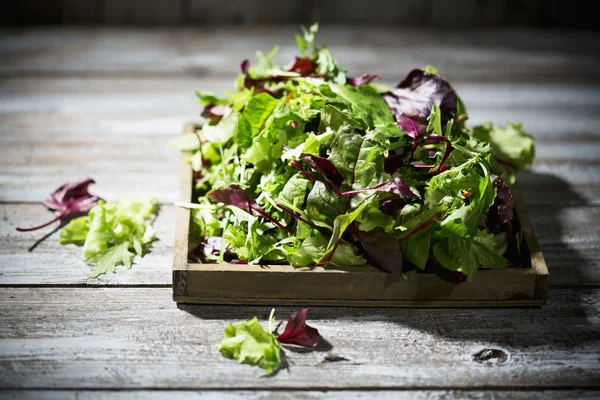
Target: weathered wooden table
[(103, 103)]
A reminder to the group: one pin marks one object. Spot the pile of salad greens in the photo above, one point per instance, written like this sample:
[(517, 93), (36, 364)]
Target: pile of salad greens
[(302, 164)]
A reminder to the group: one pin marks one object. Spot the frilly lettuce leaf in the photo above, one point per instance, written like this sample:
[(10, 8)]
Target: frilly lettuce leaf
[(113, 233)]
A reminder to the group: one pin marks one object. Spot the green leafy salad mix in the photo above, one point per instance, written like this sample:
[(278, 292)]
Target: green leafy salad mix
[(302, 164)]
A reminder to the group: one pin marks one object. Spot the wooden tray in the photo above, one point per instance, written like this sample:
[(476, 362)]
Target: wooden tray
[(353, 286)]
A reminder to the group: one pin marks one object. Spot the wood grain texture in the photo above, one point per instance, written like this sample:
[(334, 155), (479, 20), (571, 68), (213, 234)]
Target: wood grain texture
[(506, 56), (124, 338), (299, 394), (569, 238), (51, 263)]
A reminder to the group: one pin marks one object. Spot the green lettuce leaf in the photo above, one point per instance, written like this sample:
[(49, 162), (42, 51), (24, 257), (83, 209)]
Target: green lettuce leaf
[(113, 233), (513, 149), (75, 232), (248, 343)]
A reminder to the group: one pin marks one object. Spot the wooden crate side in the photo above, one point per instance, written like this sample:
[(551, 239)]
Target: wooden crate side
[(182, 224), (538, 263), (358, 303), (352, 287)]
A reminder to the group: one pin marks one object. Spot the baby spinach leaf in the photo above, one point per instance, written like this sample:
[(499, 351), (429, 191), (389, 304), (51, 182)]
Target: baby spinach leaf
[(252, 120)]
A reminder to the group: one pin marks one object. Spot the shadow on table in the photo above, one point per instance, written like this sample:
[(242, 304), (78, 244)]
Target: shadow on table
[(562, 323)]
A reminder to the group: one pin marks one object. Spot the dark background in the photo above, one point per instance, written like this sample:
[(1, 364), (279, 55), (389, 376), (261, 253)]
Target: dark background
[(572, 14)]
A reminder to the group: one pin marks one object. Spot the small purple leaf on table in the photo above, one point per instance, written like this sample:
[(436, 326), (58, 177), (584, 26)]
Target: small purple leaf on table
[(298, 332), (71, 198)]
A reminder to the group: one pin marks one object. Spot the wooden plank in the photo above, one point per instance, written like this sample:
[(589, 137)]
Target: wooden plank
[(569, 238), (50, 263), (305, 394), (108, 338), (508, 55)]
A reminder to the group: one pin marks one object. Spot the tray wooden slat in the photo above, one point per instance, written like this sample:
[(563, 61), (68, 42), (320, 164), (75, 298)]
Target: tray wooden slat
[(225, 283)]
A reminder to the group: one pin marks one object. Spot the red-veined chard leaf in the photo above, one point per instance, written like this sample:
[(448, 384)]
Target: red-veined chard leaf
[(395, 186), (330, 173), (235, 195), (69, 199)]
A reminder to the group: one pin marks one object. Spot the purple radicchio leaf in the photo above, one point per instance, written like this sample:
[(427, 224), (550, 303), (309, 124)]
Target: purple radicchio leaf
[(301, 65), (69, 199), (214, 112), (395, 186), (412, 129), (234, 195), (332, 175), (382, 250), (298, 332), (364, 79), (503, 209), (414, 96)]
